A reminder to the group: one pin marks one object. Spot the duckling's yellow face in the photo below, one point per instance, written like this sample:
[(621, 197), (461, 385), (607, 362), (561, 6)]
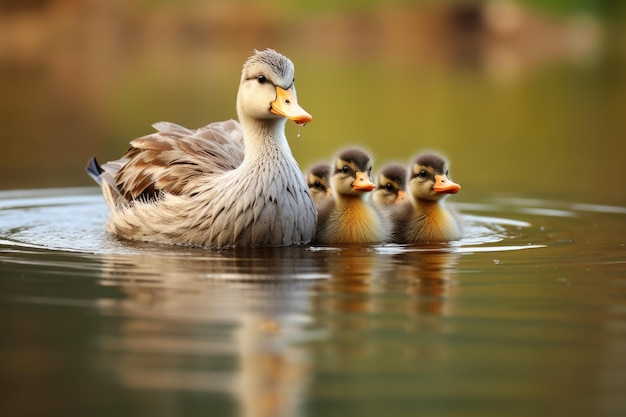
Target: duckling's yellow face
[(350, 179), (388, 191), (267, 89), (426, 183)]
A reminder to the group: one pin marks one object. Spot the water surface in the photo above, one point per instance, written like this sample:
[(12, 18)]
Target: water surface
[(526, 315)]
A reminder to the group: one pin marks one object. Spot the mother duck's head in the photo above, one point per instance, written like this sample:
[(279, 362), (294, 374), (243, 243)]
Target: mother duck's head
[(267, 91)]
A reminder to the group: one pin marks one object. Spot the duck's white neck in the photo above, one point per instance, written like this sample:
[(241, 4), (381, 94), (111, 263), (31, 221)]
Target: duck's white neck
[(263, 136)]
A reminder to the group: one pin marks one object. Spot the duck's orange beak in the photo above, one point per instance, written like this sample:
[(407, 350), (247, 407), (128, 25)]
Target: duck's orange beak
[(287, 106), (363, 182), (401, 197), (444, 185)]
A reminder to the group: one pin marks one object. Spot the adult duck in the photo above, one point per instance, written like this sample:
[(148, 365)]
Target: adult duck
[(349, 217), (425, 217), (390, 185), (227, 184)]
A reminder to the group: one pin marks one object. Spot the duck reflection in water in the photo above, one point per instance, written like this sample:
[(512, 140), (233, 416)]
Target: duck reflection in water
[(203, 321), (248, 324)]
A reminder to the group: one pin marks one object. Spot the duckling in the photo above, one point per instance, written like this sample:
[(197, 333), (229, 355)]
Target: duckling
[(318, 179), (424, 217), (391, 185), (348, 217), (227, 184)]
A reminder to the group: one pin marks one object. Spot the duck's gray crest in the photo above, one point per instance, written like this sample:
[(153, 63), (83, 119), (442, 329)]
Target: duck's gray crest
[(280, 63)]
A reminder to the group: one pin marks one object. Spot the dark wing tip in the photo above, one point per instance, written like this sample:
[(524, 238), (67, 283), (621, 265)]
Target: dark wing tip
[(94, 170)]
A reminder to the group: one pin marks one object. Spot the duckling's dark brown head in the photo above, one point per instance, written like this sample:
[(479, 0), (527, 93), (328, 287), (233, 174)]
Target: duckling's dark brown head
[(352, 173), (391, 185), (318, 180), (428, 177)]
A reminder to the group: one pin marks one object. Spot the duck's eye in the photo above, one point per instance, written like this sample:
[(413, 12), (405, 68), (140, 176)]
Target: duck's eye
[(389, 187), (261, 79), (422, 174), (447, 173), (317, 184), (345, 169)]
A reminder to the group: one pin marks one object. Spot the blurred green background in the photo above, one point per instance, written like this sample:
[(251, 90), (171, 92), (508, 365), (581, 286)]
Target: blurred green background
[(528, 98)]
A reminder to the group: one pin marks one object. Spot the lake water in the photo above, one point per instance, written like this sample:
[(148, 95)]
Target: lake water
[(526, 315)]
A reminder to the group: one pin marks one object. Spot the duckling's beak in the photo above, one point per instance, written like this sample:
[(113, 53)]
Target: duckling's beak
[(363, 182), (401, 197), (444, 185), (287, 106)]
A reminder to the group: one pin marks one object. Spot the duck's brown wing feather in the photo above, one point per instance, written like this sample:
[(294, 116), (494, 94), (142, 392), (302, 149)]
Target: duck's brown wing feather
[(171, 159)]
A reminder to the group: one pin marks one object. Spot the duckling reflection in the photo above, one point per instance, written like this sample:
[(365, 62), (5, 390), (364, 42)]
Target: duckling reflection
[(346, 304), (353, 270), (427, 276), (431, 280), (372, 291), (231, 316)]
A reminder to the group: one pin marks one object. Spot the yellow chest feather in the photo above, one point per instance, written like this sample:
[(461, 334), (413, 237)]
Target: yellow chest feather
[(356, 222), (435, 225)]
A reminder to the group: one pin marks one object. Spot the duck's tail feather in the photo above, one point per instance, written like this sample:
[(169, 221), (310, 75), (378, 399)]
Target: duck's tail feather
[(94, 170)]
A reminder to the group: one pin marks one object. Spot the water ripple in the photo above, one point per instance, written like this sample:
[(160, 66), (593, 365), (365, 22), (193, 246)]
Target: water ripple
[(73, 220)]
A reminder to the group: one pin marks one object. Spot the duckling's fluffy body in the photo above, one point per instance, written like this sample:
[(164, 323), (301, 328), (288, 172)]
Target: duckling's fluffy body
[(349, 217), (425, 222), (349, 220), (425, 217), (224, 185)]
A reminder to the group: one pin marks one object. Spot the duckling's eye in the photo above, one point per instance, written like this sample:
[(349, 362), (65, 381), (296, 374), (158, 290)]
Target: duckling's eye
[(447, 173), (345, 169), (422, 174), (389, 187), (317, 184), (261, 79)]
